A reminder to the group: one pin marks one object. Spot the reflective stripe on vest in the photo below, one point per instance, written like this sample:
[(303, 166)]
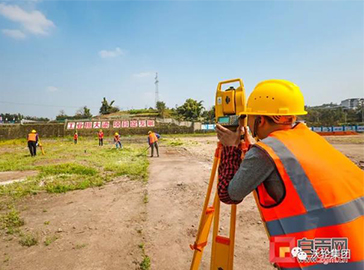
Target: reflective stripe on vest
[(318, 218), (32, 137), (295, 172)]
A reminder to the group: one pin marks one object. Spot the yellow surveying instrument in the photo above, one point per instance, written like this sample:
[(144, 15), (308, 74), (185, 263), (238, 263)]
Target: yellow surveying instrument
[(228, 105)]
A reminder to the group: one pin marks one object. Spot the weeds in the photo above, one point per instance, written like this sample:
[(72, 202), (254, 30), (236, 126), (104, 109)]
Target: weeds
[(145, 264), (146, 199), (11, 222), (79, 246), (28, 240), (50, 239)]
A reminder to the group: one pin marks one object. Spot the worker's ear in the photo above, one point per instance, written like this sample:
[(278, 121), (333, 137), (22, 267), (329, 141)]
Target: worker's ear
[(261, 121)]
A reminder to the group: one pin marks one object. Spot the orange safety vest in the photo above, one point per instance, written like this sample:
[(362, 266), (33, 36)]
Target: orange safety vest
[(101, 135), (32, 137), (324, 195), (117, 138), (152, 138), (75, 137)]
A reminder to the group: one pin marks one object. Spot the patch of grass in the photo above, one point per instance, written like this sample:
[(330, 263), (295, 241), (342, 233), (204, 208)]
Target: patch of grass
[(46, 222), (28, 240), (11, 221), (145, 264), (136, 168), (174, 142), (64, 183), (20, 189), (67, 168), (22, 141), (146, 199), (79, 246), (7, 258), (50, 239)]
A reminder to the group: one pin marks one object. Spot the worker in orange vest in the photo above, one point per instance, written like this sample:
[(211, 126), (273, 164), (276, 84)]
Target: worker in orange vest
[(32, 139), (310, 196), (153, 142), (101, 137), (75, 138)]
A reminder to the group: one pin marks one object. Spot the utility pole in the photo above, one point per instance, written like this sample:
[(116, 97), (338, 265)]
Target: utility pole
[(156, 89)]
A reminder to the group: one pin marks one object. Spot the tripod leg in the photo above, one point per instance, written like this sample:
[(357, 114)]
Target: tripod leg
[(206, 217)]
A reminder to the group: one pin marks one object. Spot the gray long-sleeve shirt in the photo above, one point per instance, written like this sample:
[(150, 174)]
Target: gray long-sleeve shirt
[(256, 168)]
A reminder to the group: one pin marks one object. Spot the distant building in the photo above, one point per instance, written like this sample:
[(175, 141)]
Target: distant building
[(352, 103)]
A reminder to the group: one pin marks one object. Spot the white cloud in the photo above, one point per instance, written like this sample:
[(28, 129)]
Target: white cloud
[(33, 21), (14, 33), (143, 74), (110, 54), (52, 89)]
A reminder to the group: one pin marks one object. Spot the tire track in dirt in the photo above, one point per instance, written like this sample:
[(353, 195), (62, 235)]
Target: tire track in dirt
[(176, 190)]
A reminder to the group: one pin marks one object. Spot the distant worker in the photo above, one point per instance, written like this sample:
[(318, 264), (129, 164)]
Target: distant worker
[(32, 139), (306, 189), (117, 141), (75, 138), (153, 142), (101, 137)]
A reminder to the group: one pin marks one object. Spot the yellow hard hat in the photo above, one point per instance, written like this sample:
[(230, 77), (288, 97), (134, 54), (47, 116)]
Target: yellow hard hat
[(100, 130), (34, 131), (275, 97), (116, 133)]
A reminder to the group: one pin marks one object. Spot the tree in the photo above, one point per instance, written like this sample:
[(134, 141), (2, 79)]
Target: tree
[(161, 108), (209, 115), (107, 108), (83, 112), (191, 110)]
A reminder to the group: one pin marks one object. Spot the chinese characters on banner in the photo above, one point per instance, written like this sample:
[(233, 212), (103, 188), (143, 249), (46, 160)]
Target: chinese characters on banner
[(150, 123), (142, 123), (105, 124), (71, 125), (133, 123), (79, 125), (97, 124), (115, 124), (88, 125), (125, 124)]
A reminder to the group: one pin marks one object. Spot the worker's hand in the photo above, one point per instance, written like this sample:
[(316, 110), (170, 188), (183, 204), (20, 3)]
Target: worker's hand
[(247, 137), (228, 137)]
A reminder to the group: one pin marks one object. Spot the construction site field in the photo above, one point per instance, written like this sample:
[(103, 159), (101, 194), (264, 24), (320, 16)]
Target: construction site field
[(89, 207)]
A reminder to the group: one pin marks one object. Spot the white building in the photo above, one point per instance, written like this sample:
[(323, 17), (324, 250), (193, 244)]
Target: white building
[(352, 103)]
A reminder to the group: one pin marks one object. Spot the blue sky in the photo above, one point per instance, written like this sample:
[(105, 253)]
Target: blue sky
[(67, 54)]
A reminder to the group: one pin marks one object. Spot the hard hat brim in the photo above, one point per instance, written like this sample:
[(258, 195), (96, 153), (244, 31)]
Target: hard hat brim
[(271, 114)]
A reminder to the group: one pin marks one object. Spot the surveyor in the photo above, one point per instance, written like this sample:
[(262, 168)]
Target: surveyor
[(117, 141), (32, 139), (305, 187), (75, 138), (153, 142), (101, 137)]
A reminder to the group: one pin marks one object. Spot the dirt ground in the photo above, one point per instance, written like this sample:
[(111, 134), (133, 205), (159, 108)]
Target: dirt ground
[(106, 227)]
